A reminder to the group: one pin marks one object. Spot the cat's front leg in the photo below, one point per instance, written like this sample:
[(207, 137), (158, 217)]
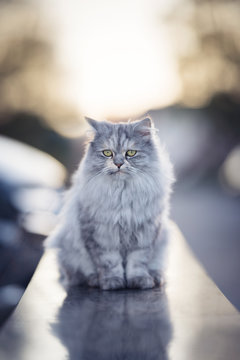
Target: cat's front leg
[(110, 269), (137, 273)]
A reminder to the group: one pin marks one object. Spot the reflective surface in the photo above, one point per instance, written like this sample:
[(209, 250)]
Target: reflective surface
[(188, 319)]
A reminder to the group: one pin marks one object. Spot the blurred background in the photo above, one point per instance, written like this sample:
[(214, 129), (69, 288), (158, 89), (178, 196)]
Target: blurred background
[(175, 60)]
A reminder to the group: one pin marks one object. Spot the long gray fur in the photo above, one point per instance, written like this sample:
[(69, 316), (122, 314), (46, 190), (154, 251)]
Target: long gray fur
[(114, 227)]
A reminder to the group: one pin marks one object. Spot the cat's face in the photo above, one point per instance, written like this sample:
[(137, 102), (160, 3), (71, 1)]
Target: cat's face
[(121, 149)]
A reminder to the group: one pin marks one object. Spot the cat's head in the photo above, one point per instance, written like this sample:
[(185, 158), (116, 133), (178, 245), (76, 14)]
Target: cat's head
[(121, 149)]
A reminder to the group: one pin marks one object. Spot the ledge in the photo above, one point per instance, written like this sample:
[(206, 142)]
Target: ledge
[(188, 319)]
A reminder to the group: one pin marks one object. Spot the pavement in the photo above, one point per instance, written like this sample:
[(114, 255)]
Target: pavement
[(210, 221)]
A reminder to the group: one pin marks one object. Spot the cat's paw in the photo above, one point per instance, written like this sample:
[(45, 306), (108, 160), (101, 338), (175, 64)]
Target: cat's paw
[(157, 277), (141, 282), (112, 283), (93, 280)]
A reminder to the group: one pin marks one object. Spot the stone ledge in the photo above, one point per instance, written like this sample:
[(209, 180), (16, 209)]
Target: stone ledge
[(188, 319)]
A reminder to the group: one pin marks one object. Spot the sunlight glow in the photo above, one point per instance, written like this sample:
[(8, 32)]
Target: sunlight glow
[(116, 56)]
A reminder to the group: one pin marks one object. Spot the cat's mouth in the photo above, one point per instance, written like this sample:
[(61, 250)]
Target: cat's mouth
[(117, 172)]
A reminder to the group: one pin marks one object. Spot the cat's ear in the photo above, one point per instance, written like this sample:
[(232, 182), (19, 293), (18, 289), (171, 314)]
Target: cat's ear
[(93, 123), (144, 126)]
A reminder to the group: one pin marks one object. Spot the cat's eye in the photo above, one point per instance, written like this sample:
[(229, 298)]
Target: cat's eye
[(131, 153), (107, 153)]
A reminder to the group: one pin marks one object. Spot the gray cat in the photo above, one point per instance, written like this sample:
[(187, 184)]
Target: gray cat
[(114, 225)]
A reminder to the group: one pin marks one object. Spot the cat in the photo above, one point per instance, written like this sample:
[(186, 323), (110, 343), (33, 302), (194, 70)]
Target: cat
[(114, 227)]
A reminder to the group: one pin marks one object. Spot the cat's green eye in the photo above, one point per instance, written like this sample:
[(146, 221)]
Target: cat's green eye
[(131, 153), (107, 153)]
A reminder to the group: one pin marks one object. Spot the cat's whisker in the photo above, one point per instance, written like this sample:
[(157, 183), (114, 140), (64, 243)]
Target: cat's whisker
[(94, 177)]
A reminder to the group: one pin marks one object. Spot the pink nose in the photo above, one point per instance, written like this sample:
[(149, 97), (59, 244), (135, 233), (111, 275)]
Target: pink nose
[(118, 165)]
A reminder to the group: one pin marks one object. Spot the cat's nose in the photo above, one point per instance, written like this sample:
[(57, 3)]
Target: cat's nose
[(118, 160), (119, 165)]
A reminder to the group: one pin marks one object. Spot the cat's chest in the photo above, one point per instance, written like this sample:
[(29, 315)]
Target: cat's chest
[(116, 216), (116, 207), (121, 207)]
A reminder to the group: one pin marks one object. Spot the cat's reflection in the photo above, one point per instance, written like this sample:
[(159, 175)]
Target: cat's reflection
[(95, 325)]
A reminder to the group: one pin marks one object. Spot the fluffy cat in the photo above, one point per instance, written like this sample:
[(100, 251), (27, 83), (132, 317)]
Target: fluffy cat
[(114, 225)]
